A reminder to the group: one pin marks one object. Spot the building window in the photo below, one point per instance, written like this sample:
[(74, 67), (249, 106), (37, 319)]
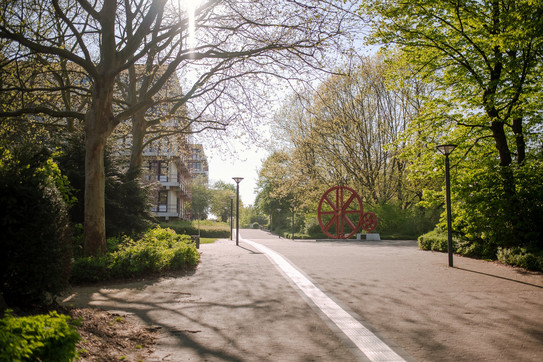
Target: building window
[(162, 201), (158, 170)]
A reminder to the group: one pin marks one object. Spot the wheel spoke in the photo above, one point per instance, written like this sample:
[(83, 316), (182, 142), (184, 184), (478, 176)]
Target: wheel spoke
[(353, 227), (346, 205), (352, 212), (330, 223), (334, 207)]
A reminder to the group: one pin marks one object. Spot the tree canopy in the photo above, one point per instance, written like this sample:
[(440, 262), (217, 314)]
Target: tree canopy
[(62, 59), (483, 56)]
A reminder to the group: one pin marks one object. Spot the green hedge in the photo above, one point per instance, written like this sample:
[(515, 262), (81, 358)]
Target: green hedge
[(517, 256), (297, 236), (206, 231), (38, 338), (434, 240), (521, 257), (158, 250), (35, 256)]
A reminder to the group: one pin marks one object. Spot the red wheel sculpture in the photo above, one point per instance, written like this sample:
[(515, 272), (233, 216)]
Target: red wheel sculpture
[(368, 221), (339, 212)]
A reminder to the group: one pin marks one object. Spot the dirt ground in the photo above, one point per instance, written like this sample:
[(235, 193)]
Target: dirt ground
[(107, 336)]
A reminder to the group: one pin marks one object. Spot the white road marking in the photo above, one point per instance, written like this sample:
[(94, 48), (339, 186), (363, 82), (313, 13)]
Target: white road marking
[(368, 343)]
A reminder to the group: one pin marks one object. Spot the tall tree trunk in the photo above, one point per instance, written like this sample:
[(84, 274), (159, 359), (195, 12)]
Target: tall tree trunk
[(99, 124), (136, 152), (500, 141), (95, 221), (519, 140)]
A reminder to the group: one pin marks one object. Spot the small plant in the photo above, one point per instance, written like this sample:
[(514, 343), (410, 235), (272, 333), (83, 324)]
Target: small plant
[(37, 338), (434, 240), (520, 257), (158, 250)]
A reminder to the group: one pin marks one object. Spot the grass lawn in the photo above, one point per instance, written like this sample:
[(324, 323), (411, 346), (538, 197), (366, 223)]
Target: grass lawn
[(207, 240)]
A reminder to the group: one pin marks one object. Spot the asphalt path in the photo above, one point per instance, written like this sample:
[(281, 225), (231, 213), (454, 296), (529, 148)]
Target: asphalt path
[(475, 311), (239, 305)]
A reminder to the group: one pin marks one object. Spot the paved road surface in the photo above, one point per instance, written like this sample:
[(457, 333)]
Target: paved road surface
[(239, 306)]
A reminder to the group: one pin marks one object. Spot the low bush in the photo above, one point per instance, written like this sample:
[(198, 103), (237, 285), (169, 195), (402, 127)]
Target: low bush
[(434, 240), (315, 232), (158, 250), (517, 256), (297, 236), (403, 223), (521, 257), (36, 246), (38, 338), (207, 229)]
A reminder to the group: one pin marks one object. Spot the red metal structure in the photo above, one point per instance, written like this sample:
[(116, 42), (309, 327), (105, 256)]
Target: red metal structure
[(368, 221), (341, 214)]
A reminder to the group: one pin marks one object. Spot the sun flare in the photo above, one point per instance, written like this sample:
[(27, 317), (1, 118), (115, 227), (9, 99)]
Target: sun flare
[(191, 6)]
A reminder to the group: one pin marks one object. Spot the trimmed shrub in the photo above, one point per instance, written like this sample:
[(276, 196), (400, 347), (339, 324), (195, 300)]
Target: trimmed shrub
[(520, 257), (434, 240), (408, 223), (206, 231), (36, 243), (315, 231), (297, 236), (38, 338), (157, 251), (90, 269)]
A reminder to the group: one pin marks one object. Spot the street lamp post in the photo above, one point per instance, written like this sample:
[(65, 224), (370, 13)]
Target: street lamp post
[(231, 214), (238, 180), (447, 150), (279, 222), (292, 206)]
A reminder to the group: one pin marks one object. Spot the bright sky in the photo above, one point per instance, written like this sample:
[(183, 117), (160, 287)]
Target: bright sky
[(245, 163)]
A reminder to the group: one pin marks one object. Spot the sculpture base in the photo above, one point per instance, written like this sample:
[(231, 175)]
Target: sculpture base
[(371, 236)]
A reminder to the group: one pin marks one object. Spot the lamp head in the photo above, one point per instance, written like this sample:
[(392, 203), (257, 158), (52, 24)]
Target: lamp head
[(237, 179), (446, 149)]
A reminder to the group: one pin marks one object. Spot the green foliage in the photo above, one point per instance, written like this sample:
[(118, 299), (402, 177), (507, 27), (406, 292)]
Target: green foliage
[(313, 229), (37, 338), (435, 240), (220, 200), (521, 257), (158, 250), (201, 197), (480, 66), (407, 223), (486, 212), (36, 247), (208, 229), (297, 236)]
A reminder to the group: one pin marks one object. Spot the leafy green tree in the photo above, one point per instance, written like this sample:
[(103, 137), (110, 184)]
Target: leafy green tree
[(276, 184), (483, 61), (484, 57), (201, 198), (220, 200)]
